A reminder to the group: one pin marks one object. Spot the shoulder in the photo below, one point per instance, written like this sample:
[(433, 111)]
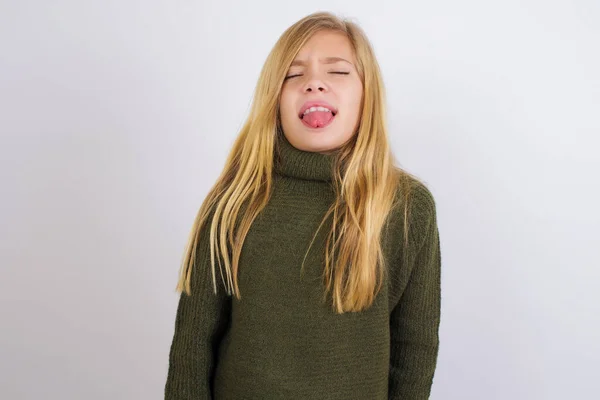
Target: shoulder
[(415, 205), (422, 203), (412, 225)]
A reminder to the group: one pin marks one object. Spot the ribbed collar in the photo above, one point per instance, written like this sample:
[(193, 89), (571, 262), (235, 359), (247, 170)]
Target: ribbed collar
[(303, 171)]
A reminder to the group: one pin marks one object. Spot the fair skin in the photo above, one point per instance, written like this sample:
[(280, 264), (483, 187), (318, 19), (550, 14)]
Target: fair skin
[(323, 70)]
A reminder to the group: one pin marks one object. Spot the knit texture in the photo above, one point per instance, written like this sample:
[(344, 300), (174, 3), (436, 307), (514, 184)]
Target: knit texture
[(280, 340)]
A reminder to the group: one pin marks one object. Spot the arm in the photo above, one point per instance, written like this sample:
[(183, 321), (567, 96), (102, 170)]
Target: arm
[(200, 323), (414, 321)]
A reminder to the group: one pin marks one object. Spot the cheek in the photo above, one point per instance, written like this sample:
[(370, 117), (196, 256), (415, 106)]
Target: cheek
[(353, 97), (286, 106), (356, 98)]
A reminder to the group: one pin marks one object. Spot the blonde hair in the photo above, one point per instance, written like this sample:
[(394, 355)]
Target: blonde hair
[(366, 181)]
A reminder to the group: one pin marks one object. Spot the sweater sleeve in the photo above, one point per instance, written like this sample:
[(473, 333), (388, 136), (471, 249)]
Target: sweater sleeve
[(200, 323), (415, 319)]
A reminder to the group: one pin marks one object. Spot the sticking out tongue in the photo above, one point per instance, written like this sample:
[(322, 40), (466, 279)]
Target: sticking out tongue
[(317, 119)]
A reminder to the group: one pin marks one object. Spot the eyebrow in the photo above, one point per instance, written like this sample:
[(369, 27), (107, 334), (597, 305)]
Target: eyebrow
[(326, 60)]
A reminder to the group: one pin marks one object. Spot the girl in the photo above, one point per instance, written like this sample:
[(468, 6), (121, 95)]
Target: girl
[(328, 255)]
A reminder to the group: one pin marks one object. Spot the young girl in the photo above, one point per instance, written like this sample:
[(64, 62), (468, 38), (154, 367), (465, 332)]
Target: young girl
[(328, 255)]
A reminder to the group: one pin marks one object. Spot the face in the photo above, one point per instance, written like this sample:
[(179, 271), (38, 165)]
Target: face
[(323, 72)]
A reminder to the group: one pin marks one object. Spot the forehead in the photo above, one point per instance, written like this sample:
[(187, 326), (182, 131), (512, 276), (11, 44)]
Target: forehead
[(328, 47)]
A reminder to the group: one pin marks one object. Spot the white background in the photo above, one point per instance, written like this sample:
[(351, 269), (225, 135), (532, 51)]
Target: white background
[(116, 118)]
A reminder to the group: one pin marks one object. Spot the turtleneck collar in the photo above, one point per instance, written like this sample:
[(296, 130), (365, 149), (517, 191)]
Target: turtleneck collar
[(303, 171)]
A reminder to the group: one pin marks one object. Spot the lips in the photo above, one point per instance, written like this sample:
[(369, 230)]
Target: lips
[(316, 103)]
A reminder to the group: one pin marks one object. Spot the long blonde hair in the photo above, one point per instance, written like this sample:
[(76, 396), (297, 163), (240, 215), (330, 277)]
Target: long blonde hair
[(366, 181)]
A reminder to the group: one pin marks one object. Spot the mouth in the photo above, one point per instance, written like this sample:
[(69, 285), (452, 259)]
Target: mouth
[(318, 119), (320, 103), (317, 115)]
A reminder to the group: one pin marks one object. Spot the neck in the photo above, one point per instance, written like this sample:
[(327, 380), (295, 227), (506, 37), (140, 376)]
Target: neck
[(303, 171)]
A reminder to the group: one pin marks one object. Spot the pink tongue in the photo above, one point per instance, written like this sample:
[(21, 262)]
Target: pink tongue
[(317, 119)]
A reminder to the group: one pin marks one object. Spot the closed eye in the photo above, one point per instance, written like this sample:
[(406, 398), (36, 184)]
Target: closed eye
[(332, 72)]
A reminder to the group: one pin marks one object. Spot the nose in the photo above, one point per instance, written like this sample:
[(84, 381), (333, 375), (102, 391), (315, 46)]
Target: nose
[(319, 88), (315, 84)]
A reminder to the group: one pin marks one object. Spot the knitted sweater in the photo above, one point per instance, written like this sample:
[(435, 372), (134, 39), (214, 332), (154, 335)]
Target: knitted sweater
[(280, 341)]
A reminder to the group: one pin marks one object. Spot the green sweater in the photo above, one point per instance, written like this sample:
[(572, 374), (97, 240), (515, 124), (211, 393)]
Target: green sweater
[(279, 341)]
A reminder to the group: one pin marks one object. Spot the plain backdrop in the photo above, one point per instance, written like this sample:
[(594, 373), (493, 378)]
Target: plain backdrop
[(116, 118)]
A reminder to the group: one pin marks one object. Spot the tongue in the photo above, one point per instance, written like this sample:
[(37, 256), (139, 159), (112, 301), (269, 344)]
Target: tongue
[(317, 119)]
